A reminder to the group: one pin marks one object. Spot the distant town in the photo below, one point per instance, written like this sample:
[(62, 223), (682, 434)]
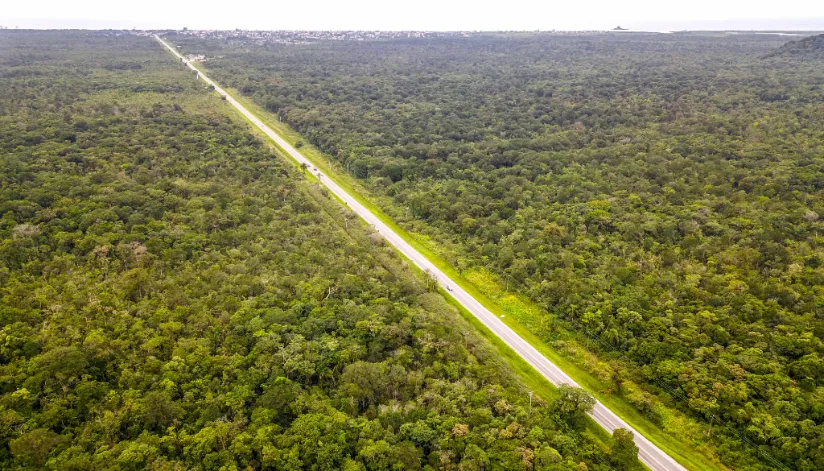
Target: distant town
[(307, 37)]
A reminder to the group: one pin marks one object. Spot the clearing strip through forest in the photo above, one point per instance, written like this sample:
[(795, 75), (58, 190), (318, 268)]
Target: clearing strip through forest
[(651, 455)]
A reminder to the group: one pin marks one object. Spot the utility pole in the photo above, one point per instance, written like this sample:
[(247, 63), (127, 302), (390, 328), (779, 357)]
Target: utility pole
[(529, 416), (712, 419)]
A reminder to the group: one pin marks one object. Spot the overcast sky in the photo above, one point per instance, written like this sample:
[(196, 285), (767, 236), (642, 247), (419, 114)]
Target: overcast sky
[(416, 14)]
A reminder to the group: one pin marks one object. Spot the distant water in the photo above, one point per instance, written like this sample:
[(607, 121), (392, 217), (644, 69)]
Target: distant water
[(640, 31), (781, 34), (765, 32), (773, 26)]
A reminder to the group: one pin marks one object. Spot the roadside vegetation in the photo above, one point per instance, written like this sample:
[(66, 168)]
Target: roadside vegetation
[(648, 206), (174, 295)]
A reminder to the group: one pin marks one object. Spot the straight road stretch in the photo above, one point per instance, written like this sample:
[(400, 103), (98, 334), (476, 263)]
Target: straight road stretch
[(652, 456)]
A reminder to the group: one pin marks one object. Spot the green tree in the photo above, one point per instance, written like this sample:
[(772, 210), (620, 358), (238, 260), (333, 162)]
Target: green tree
[(33, 448), (572, 405), (623, 450)]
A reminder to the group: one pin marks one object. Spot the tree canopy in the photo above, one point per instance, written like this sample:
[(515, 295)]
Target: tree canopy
[(174, 295), (658, 196)]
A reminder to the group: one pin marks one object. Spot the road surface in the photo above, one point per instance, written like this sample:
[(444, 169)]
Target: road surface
[(651, 455)]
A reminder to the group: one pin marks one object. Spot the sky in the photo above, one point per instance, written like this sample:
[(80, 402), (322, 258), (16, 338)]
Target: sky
[(442, 15)]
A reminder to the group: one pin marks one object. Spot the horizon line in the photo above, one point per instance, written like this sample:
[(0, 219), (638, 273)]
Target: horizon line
[(533, 30)]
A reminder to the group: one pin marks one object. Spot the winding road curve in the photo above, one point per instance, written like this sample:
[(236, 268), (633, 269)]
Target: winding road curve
[(652, 456)]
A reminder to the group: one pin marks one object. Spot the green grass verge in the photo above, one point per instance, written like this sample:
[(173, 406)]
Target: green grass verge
[(676, 447)]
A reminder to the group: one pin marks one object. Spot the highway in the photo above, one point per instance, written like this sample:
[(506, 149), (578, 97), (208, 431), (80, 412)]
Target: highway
[(652, 456)]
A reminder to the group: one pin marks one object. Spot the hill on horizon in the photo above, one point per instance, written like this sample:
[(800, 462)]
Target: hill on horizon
[(812, 46)]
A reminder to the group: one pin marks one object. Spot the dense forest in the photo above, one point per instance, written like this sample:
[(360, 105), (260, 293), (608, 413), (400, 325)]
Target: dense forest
[(809, 48), (174, 295), (658, 196)]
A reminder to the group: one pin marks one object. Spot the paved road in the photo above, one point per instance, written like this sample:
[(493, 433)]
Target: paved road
[(651, 455)]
